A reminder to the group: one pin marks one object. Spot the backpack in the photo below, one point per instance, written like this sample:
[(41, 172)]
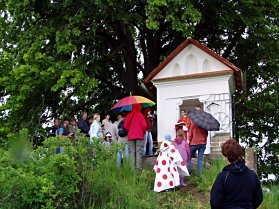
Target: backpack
[(122, 132)]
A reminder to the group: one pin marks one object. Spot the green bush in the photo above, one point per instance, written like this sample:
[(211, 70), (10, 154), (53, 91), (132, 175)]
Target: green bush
[(42, 179), (84, 175)]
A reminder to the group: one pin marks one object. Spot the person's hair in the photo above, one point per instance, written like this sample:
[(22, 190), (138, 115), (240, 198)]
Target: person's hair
[(124, 113), (180, 133), (96, 115), (183, 111), (198, 106), (90, 117), (72, 119), (232, 150), (65, 119)]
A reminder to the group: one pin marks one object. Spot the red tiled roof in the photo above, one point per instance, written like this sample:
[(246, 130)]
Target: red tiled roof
[(168, 59)]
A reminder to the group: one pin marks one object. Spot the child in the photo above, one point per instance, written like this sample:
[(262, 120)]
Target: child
[(107, 140), (184, 149), (168, 167)]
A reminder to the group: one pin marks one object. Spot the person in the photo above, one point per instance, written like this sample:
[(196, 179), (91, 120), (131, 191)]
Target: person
[(119, 117), (73, 127), (148, 136), (83, 124), (55, 128), (183, 124), (110, 127), (236, 186), (169, 166), (107, 139), (64, 133), (184, 150), (197, 140), (95, 128), (122, 139), (136, 126), (64, 130), (106, 123)]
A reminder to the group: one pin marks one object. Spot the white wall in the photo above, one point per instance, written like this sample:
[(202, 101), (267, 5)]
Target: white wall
[(191, 60), (171, 94)]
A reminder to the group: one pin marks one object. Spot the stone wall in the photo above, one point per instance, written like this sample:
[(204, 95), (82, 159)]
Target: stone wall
[(216, 142)]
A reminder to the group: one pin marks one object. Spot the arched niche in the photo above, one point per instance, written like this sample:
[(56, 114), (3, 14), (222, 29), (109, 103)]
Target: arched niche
[(191, 64), (176, 70), (206, 67)]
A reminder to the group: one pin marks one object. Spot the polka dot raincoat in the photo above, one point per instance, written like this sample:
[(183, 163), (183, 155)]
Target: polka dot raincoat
[(168, 167)]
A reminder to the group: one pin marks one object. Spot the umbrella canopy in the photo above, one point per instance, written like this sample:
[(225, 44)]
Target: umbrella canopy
[(204, 120), (126, 103)]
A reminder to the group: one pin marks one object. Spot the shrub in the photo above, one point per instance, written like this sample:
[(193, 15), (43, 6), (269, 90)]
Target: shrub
[(42, 179)]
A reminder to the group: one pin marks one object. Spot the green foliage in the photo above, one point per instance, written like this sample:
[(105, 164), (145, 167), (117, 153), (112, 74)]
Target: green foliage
[(181, 14), (58, 58), (271, 197), (43, 179)]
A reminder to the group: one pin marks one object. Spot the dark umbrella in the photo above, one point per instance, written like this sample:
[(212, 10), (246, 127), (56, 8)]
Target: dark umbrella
[(204, 120)]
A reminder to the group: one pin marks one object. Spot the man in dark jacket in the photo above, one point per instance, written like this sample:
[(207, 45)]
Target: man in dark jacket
[(83, 124), (236, 187)]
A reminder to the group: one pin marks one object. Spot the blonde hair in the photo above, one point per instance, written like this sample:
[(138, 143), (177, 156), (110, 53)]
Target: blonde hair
[(96, 116)]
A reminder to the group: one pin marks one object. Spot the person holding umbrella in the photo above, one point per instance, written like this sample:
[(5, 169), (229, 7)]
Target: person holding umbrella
[(136, 125), (202, 122), (197, 140)]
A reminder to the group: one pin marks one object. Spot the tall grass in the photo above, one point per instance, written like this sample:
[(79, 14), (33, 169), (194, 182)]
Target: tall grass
[(206, 180), (271, 197), (123, 187)]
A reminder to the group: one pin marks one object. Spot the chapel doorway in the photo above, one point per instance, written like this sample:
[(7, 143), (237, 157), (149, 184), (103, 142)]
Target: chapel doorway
[(190, 104)]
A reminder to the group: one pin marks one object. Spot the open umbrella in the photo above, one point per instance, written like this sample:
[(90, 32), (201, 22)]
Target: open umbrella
[(126, 103), (204, 120)]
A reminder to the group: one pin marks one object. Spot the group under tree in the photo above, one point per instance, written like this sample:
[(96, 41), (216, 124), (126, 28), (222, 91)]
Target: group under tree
[(61, 57)]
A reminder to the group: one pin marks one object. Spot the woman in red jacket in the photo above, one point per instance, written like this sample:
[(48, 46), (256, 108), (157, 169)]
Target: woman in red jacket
[(136, 125)]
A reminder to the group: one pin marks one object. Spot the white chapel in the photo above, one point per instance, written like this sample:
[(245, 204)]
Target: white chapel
[(193, 74)]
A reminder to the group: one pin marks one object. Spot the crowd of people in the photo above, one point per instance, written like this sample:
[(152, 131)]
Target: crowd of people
[(235, 187), (132, 129)]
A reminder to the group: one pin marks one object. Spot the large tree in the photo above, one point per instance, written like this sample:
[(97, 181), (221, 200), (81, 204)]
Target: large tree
[(59, 57)]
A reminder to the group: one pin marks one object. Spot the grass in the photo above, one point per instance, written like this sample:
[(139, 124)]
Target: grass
[(124, 188), (271, 197)]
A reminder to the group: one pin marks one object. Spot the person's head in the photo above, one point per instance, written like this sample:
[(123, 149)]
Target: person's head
[(136, 107), (73, 121), (84, 115), (232, 151), (65, 122), (147, 111), (124, 113), (107, 116), (168, 137), (97, 117), (56, 122), (183, 113), (198, 107), (119, 117), (108, 136), (180, 133), (90, 119)]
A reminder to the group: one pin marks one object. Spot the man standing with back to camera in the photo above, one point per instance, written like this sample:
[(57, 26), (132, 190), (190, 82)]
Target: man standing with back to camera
[(197, 140)]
